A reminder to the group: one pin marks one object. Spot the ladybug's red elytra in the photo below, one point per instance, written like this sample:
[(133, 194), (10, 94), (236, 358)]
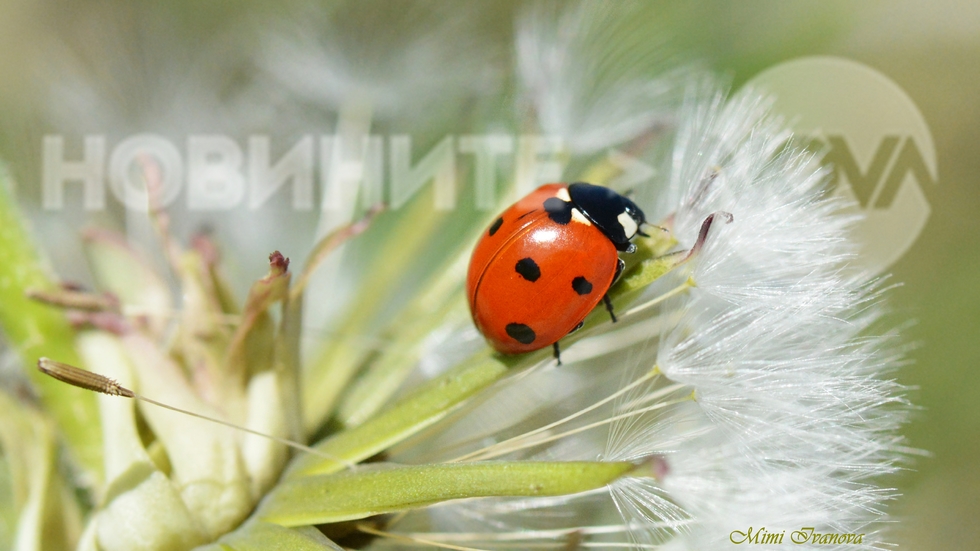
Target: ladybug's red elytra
[(546, 262)]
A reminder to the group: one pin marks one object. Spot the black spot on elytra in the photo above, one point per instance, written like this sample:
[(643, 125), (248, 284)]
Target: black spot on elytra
[(521, 333), (581, 285), (496, 226), (528, 269), (559, 211)]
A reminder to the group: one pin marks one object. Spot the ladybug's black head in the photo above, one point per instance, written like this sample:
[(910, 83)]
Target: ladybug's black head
[(617, 217)]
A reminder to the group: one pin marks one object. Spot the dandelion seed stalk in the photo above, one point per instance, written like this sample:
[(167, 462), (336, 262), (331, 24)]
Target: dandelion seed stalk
[(104, 385)]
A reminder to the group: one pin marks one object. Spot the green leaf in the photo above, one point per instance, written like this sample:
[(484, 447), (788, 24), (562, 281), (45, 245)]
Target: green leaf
[(384, 489), (263, 536), (428, 404), (48, 515), (150, 514), (332, 367), (205, 457), (122, 271), (251, 348), (36, 330), (648, 263), (203, 335), (385, 375)]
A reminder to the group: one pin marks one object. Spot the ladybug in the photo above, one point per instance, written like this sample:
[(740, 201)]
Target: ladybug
[(546, 262)]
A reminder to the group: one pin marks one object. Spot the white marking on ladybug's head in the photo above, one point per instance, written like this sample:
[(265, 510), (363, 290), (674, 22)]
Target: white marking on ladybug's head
[(563, 194), (580, 218), (629, 225)]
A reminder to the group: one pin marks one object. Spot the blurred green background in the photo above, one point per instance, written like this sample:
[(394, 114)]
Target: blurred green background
[(141, 65)]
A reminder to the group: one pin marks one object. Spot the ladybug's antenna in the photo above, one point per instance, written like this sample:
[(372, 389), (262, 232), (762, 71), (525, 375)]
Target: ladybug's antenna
[(88, 380), (645, 234)]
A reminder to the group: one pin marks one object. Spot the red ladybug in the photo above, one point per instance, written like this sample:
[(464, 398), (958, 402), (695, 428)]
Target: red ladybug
[(546, 262)]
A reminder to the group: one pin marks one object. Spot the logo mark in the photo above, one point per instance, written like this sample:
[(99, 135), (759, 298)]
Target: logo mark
[(875, 142)]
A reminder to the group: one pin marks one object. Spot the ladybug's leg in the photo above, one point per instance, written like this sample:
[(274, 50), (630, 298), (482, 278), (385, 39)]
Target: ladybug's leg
[(609, 307), (605, 298), (555, 346), (619, 271)]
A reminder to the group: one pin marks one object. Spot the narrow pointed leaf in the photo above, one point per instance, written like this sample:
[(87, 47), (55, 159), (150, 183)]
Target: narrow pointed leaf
[(48, 516), (208, 250), (150, 514), (204, 334), (264, 536), (206, 459), (251, 348), (423, 408), (370, 392), (376, 490), (334, 365), (36, 330), (122, 271)]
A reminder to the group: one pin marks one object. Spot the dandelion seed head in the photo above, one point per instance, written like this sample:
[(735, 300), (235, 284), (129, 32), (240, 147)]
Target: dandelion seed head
[(772, 408), (777, 341)]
